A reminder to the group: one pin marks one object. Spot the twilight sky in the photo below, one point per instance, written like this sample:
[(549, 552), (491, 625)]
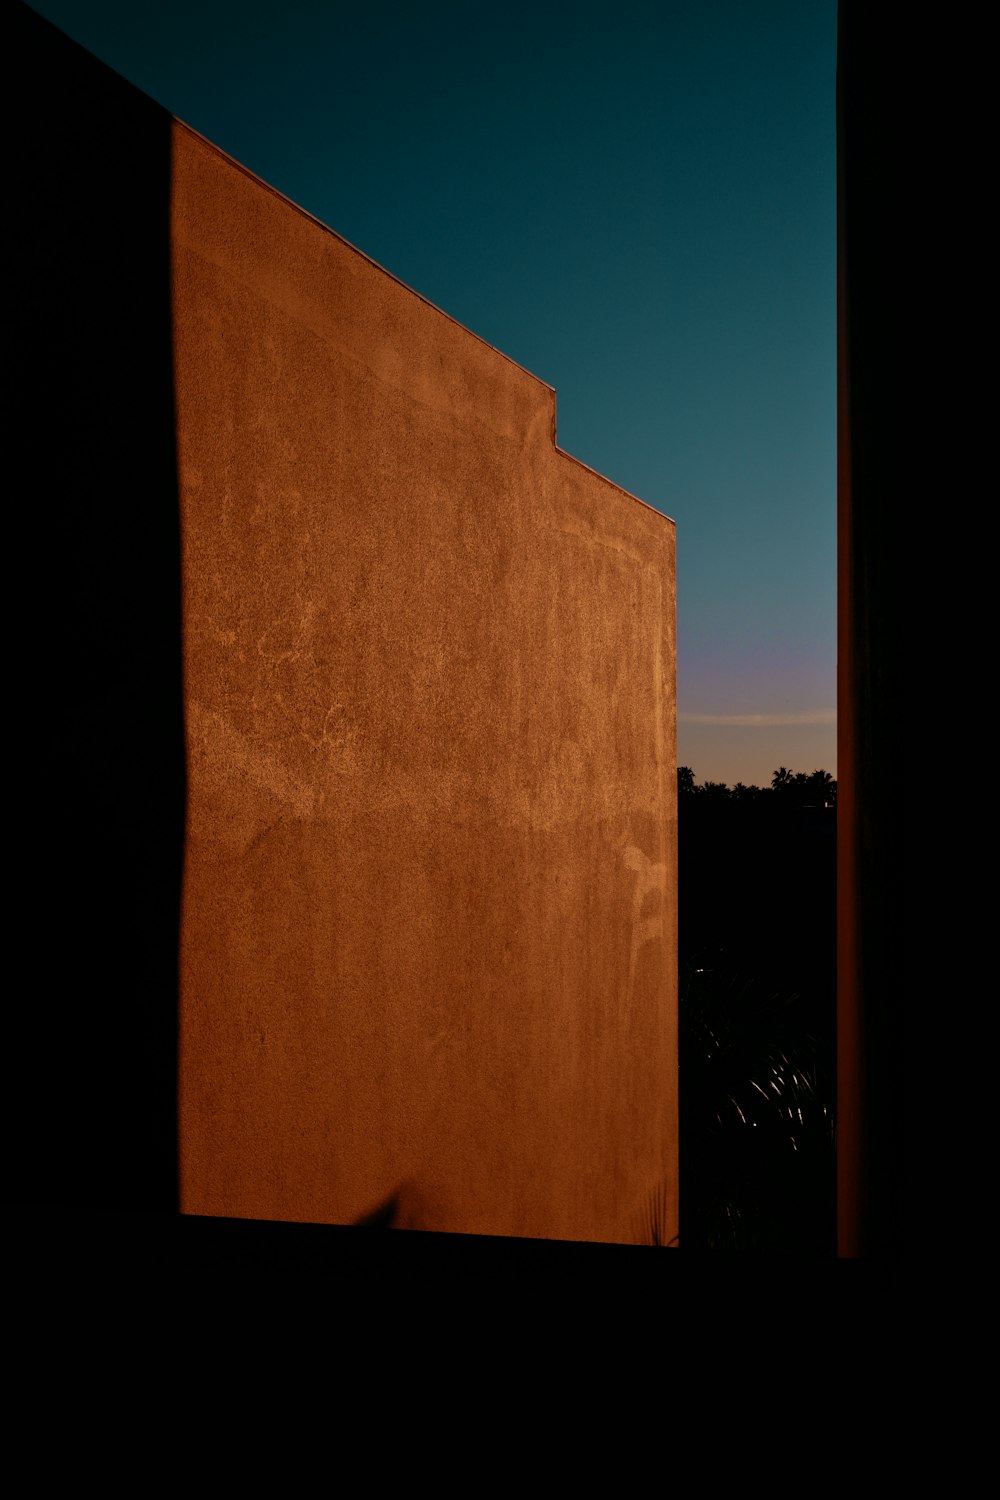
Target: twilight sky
[(636, 201)]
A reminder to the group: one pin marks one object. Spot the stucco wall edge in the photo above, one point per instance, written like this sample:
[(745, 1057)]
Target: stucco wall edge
[(305, 214), (618, 489)]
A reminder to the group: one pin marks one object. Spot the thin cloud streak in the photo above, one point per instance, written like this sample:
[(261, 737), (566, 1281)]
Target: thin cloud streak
[(759, 721)]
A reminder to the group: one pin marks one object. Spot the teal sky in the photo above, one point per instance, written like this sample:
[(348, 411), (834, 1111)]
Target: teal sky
[(635, 201)]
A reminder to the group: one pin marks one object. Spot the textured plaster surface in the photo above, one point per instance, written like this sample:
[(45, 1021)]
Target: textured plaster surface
[(428, 944)]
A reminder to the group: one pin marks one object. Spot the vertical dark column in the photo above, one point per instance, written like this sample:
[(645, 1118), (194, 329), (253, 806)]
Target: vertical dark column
[(98, 722), (870, 751)]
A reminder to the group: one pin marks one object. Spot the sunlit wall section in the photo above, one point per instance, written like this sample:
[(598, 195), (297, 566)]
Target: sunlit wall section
[(429, 914)]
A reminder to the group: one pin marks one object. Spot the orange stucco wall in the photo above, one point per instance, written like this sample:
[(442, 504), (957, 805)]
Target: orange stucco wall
[(429, 911), (347, 674)]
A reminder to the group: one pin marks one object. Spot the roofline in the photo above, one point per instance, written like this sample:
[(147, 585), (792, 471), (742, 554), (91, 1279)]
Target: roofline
[(305, 213)]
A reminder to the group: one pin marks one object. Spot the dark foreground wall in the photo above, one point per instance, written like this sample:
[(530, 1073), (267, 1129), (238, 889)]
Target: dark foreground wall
[(873, 996), (98, 761), (428, 920)]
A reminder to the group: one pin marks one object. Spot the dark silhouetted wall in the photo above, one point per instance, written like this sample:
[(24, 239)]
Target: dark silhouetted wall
[(873, 613), (98, 783)]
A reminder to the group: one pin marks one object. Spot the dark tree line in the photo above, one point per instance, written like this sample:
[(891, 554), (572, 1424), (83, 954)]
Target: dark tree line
[(787, 788), (758, 1013)]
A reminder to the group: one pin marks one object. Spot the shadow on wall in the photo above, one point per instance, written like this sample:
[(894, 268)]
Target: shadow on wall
[(406, 1208), (409, 1208), (94, 1100)]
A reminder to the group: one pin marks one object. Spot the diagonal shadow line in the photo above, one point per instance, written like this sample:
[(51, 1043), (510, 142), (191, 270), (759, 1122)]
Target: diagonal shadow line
[(384, 1216)]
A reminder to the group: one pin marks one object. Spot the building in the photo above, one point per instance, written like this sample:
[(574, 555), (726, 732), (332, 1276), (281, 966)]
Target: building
[(369, 695)]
